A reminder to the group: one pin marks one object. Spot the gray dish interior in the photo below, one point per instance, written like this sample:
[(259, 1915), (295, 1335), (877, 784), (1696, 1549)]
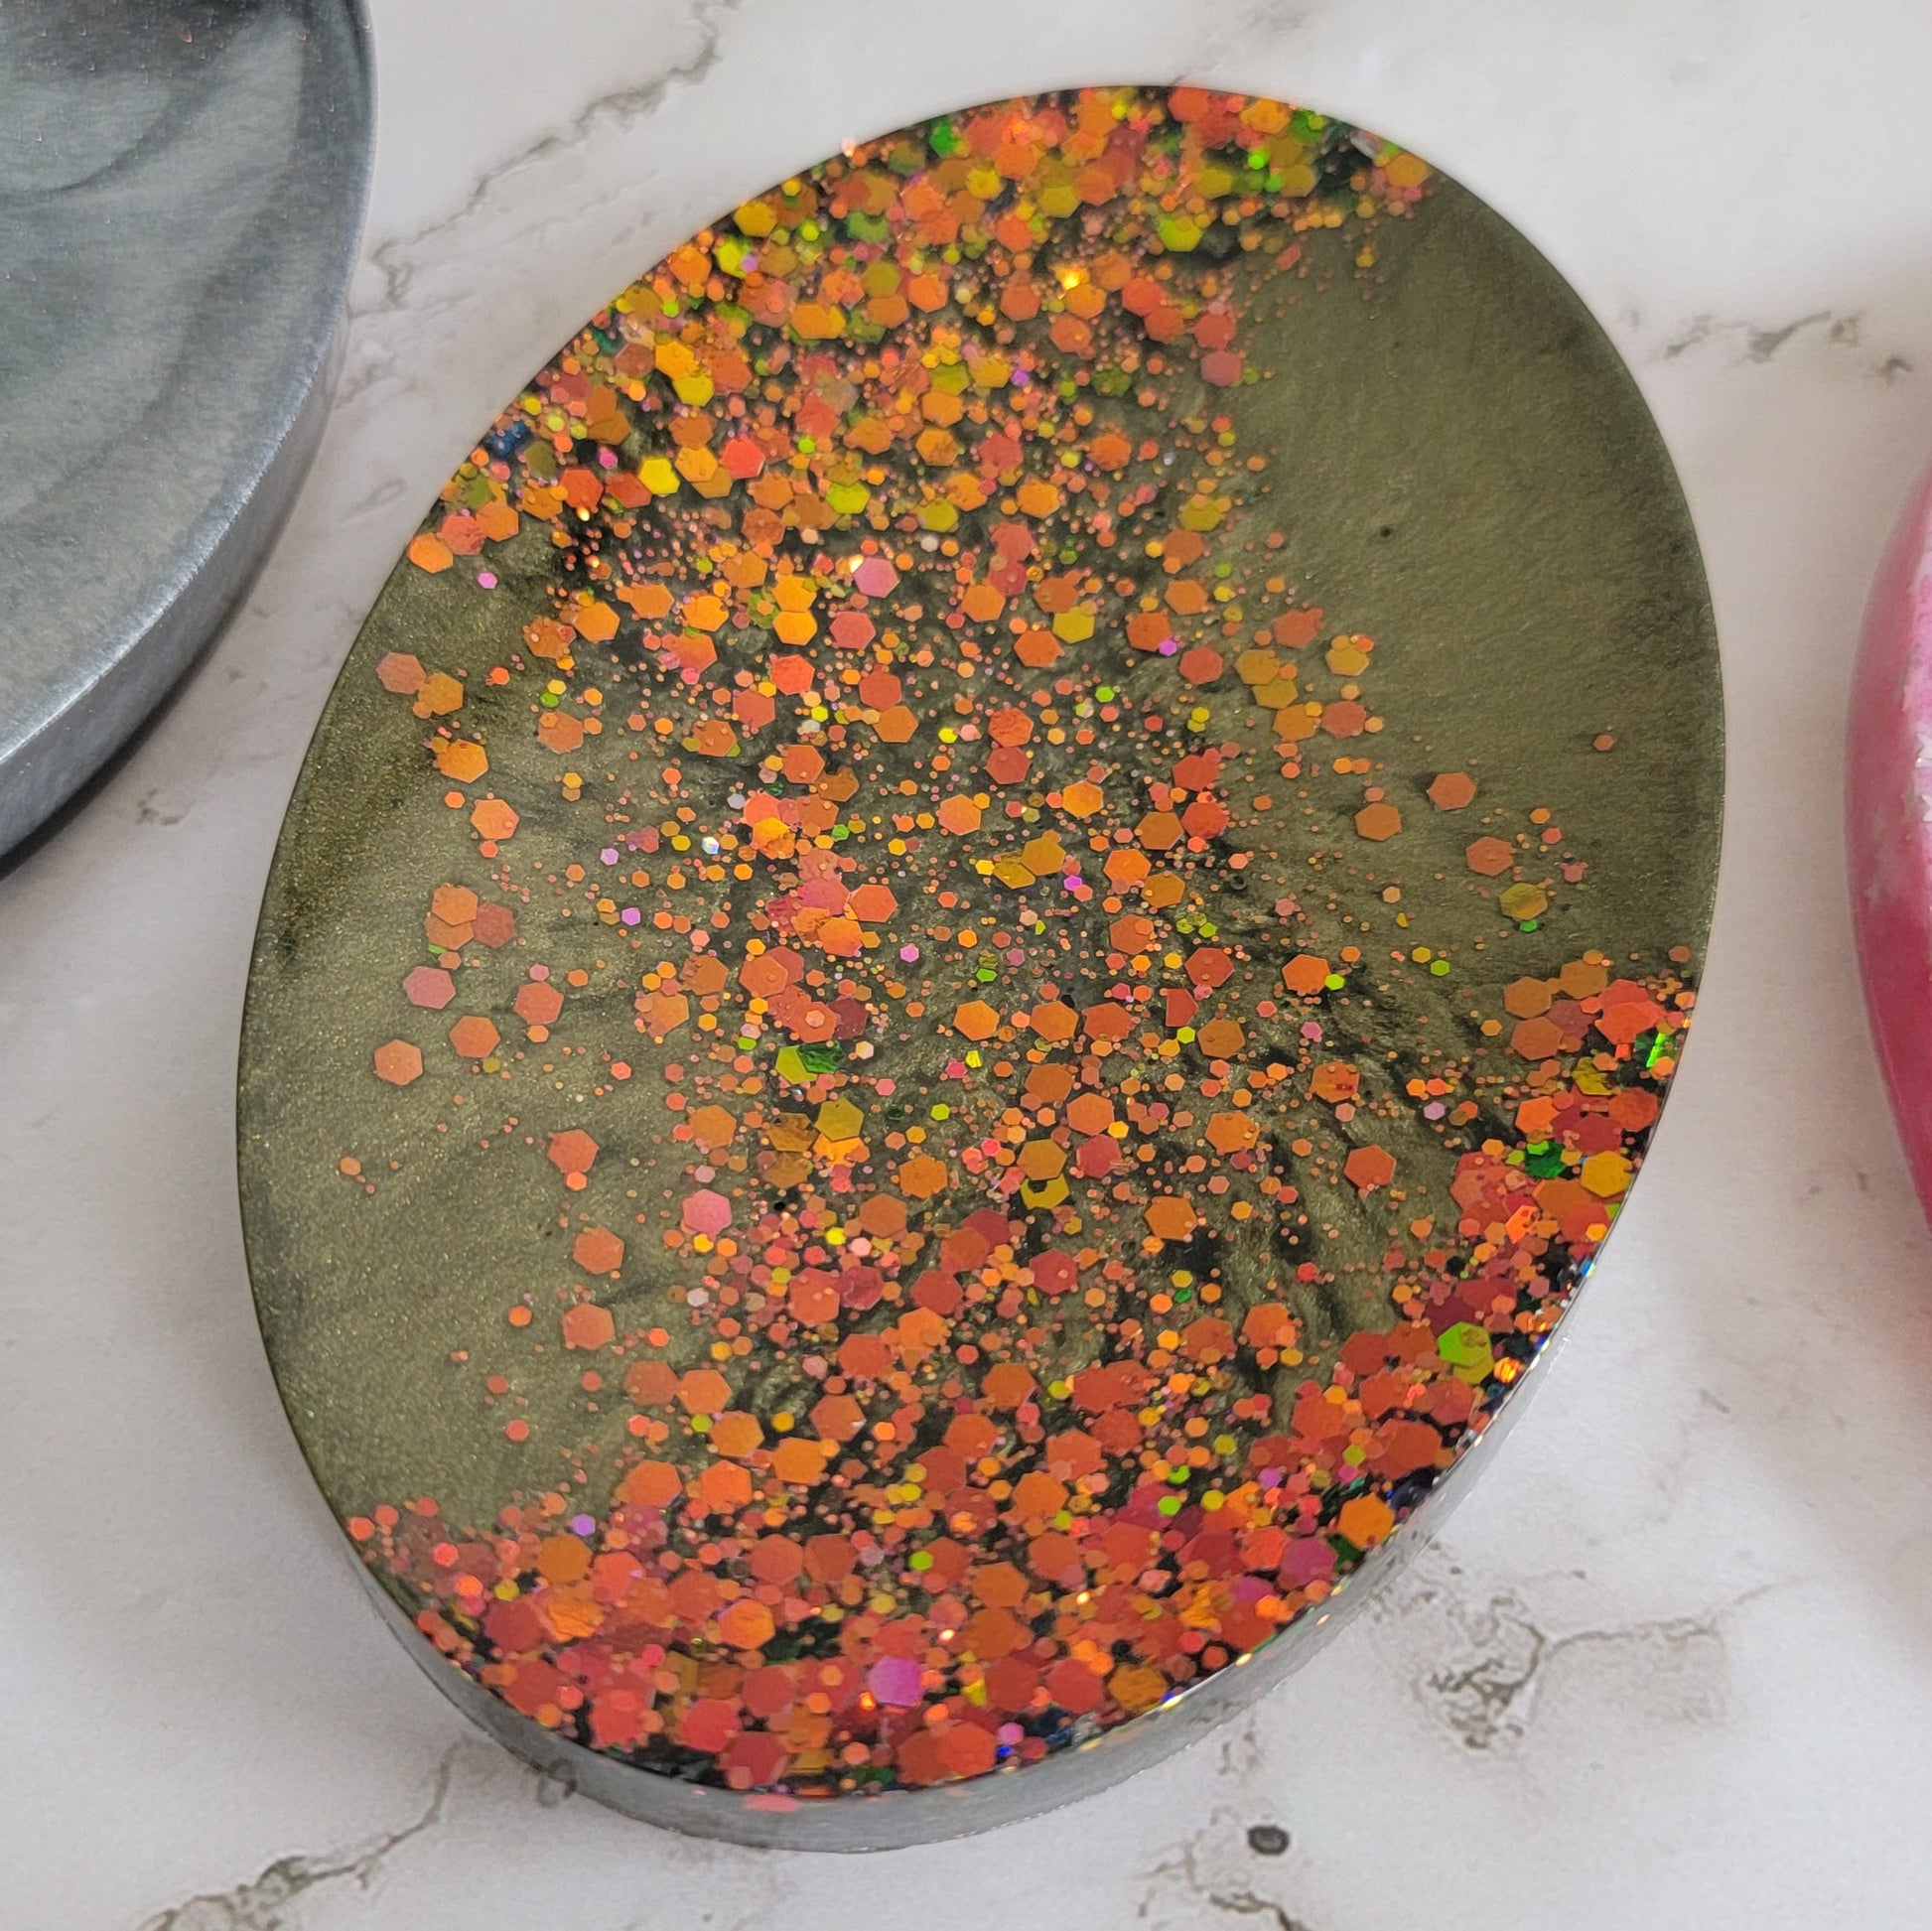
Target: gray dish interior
[(181, 191)]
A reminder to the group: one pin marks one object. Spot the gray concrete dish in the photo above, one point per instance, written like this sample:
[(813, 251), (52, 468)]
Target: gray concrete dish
[(180, 194)]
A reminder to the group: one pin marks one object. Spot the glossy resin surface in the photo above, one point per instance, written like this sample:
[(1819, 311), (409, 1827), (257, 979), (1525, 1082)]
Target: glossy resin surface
[(979, 942)]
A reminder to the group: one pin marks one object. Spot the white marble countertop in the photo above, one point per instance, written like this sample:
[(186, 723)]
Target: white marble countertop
[(1670, 1664)]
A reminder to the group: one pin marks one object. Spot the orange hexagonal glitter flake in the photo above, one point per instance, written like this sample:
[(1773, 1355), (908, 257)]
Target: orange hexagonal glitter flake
[(586, 1325), (572, 1152), (400, 672), (538, 1003), (398, 1063), (976, 1020), (1536, 1038), (494, 819), (597, 1250), (474, 1038), (959, 815), (1369, 1167), (704, 1391), (1158, 831), (1306, 974), (1526, 999), (1171, 1217), (922, 1176)]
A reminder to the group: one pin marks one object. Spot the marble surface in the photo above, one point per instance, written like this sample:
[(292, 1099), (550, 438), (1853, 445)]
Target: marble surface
[(1670, 1663)]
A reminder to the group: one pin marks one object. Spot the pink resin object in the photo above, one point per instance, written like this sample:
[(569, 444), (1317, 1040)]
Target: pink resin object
[(1888, 825)]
